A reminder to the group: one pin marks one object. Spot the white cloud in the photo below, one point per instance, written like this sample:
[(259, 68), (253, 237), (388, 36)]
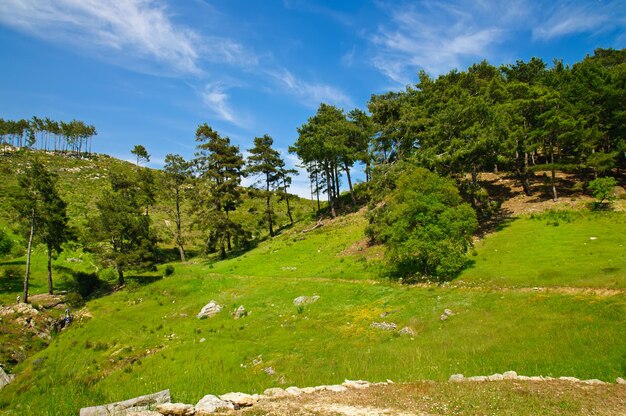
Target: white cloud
[(582, 17), (130, 32), (216, 100), (437, 36), (308, 93)]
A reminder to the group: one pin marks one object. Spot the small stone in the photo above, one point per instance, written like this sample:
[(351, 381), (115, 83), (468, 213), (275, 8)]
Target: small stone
[(620, 380), (175, 409), (536, 378), (448, 312), (210, 404), (209, 310), (387, 326), (302, 300), (275, 392), (477, 378), (572, 379), (239, 399), (293, 391), (524, 378), (356, 384), (337, 388), (269, 371), (407, 331), (202, 339), (443, 317), (308, 390), (509, 375), (495, 377), (240, 312), (593, 381), (455, 378)]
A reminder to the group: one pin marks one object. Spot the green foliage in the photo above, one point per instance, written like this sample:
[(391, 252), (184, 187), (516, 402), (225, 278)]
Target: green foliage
[(85, 284), (603, 188), (141, 153), (169, 270), (424, 224), (6, 243), (75, 300)]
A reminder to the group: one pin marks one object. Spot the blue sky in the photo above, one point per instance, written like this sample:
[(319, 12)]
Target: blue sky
[(149, 71)]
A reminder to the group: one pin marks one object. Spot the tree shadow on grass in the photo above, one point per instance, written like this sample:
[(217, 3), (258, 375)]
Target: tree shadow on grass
[(143, 280)]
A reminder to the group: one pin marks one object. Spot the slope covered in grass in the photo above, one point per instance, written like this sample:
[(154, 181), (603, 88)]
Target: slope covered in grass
[(147, 337), (556, 248)]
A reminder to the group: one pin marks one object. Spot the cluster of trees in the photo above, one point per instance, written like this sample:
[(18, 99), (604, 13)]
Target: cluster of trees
[(47, 134), (519, 118)]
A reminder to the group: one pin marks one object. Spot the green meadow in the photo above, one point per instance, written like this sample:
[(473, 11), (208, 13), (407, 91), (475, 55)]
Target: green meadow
[(146, 337)]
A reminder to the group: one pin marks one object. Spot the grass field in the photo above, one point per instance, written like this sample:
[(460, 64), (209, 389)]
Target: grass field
[(558, 248), (146, 337)]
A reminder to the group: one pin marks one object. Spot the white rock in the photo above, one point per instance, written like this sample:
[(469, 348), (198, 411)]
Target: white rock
[(303, 300), (477, 378), (337, 388), (209, 310), (495, 377), (210, 404), (239, 399), (509, 375), (572, 379), (455, 378), (387, 326), (620, 380), (293, 391), (407, 331), (448, 312), (240, 312), (525, 378), (593, 381), (356, 384), (536, 378), (275, 392), (308, 390), (443, 317), (175, 409)]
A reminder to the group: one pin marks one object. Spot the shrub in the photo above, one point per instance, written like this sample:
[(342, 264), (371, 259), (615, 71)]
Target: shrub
[(85, 283), (424, 224), (6, 244), (603, 188), (75, 300), (169, 270)]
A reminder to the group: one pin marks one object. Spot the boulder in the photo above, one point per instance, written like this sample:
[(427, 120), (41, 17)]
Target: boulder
[(210, 404), (303, 300), (620, 380), (209, 310), (455, 378), (387, 326), (137, 404), (176, 409), (239, 399), (240, 312)]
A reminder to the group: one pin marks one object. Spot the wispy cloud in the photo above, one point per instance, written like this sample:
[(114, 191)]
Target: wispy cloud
[(582, 17), (131, 32), (310, 94), (438, 36), (216, 100)]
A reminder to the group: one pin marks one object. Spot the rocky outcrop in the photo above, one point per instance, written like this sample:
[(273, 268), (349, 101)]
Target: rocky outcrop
[(210, 404), (5, 378), (128, 406), (209, 310)]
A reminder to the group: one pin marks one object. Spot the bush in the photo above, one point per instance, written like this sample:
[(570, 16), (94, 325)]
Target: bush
[(603, 188), (424, 224), (6, 244), (85, 283), (169, 270), (75, 300)]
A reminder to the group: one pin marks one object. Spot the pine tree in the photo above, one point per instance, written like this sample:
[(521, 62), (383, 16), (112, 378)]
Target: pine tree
[(177, 174)]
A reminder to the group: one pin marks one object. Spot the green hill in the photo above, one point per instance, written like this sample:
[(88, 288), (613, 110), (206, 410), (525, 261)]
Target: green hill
[(146, 337)]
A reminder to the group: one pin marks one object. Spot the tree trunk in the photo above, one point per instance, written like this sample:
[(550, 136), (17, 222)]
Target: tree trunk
[(120, 275), (553, 173), (50, 289), (268, 207), (28, 252), (329, 192), (228, 245), (287, 200), (347, 169), (179, 237)]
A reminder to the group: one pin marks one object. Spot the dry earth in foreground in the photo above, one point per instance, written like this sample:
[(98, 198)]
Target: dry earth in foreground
[(475, 398)]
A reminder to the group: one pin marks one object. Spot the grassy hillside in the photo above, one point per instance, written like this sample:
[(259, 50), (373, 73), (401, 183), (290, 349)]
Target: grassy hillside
[(146, 337)]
